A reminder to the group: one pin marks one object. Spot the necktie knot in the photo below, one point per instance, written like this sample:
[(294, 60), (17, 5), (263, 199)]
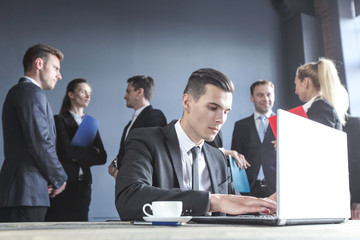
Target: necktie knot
[(195, 151), (262, 118)]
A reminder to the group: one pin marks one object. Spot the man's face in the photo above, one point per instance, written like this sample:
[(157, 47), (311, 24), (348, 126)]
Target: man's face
[(49, 72), (263, 98), (131, 96), (203, 119)]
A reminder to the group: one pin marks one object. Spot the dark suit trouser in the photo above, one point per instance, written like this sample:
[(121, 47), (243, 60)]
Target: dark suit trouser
[(260, 192), (72, 204), (22, 214)]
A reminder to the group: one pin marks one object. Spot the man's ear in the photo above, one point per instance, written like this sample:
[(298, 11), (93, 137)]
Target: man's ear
[(140, 92), (39, 63), (251, 98), (186, 101)]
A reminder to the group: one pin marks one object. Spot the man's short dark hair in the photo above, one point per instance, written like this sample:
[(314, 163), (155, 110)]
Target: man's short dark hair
[(39, 51), (144, 82), (260, 82), (198, 80)]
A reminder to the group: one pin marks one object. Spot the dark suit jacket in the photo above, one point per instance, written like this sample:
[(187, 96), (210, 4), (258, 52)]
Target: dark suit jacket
[(245, 140), (321, 111), (30, 161), (86, 156), (352, 128), (152, 170), (149, 117)]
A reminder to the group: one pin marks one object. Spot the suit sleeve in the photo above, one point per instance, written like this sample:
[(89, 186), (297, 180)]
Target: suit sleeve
[(136, 177), (86, 156), (36, 122), (236, 139)]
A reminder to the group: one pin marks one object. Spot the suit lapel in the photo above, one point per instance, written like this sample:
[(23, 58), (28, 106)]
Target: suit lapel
[(172, 144), (211, 161), (252, 125), (139, 121), (268, 132)]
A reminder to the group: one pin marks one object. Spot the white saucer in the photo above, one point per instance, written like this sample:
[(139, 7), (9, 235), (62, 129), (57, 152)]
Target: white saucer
[(183, 219)]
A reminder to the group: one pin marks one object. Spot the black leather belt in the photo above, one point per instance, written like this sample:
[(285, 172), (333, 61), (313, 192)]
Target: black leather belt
[(262, 183)]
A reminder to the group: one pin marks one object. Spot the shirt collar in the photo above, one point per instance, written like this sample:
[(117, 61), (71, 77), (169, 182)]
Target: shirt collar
[(137, 112), (307, 105), (76, 117), (32, 80), (184, 140), (267, 115)]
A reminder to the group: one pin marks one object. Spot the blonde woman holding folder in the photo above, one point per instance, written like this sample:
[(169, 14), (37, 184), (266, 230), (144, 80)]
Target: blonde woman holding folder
[(73, 205)]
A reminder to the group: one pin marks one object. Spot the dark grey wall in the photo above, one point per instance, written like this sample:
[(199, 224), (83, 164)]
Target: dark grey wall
[(106, 42)]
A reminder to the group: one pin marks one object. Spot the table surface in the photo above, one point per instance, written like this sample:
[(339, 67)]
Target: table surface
[(126, 230)]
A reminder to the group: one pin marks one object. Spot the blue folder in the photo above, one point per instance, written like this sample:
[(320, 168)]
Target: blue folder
[(85, 135), (239, 177)]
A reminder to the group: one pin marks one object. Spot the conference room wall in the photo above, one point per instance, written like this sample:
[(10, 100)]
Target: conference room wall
[(106, 42)]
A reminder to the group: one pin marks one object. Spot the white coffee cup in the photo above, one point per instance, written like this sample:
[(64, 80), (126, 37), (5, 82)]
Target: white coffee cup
[(164, 209)]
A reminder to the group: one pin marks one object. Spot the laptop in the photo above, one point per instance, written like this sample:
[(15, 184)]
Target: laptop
[(312, 176)]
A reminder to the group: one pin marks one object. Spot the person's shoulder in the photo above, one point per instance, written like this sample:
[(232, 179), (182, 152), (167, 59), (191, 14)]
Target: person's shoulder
[(155, 111), (321, 104), (62, 115), (244, 121)]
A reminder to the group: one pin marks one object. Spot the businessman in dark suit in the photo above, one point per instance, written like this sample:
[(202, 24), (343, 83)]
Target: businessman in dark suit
[(173, 163), (138, 94), (352, 128), (252, 137), (31, 170)]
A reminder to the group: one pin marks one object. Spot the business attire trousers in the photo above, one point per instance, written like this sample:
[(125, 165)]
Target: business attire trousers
[(72, 204), (22, 214)]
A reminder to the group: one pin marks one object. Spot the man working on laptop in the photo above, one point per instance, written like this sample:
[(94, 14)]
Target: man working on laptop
[(172, 163)]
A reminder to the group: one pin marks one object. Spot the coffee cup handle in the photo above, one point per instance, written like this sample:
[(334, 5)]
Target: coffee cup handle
[(144, 209)]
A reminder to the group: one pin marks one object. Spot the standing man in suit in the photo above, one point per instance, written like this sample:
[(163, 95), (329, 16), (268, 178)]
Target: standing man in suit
[(173, 163), (31, 170), (252, 137), (138, 94)]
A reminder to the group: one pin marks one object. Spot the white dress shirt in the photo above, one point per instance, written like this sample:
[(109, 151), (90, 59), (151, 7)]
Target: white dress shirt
[(134, 116), (186, 158), (32, 80)]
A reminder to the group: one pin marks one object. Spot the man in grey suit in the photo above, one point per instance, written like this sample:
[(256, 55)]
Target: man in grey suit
[(31, 170), (160, 162), (252, 137)]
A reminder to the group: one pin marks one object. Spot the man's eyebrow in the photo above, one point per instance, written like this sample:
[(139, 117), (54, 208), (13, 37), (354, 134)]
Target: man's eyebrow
[(218, 105)]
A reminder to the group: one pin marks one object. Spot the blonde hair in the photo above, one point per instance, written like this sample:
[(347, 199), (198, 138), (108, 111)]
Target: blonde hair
[(325, 78)]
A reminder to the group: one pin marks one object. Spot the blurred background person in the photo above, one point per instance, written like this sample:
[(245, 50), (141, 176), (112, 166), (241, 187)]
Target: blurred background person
[(73, 204), (138, 95), (318, 84), (252, 137)]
